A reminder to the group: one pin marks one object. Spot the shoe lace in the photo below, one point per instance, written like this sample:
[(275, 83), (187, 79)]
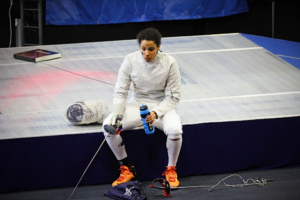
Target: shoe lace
[(124, 172), (171, 173)]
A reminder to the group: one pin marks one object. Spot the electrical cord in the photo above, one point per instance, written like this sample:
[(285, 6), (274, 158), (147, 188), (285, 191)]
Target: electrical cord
[(249, 182)]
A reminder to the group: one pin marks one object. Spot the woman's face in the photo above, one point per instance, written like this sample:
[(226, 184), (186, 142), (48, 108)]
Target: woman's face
[(149, 50)]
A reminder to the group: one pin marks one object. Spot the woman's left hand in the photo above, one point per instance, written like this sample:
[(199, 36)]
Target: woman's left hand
[(151, 118)]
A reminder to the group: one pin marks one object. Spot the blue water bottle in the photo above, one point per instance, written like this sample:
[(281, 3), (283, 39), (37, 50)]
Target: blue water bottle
[(144, 111)]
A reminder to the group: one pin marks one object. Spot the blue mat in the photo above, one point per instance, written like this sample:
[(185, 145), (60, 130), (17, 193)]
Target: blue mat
[(211, 148), (286, 50)]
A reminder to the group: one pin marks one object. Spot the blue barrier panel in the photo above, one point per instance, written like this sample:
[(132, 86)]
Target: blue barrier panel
[(80, 12)]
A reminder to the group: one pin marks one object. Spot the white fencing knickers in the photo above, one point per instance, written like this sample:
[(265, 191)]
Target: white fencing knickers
[(170, 124)]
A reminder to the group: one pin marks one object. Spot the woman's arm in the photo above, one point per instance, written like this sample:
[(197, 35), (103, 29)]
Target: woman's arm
[(172, 91), (121, 88)]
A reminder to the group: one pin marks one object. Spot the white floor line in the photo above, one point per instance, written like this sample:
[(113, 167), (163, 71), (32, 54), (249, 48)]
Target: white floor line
[(242, 119), (32, 112), (190, 100), (213, 35), (217, 50), (20, 63), (122, 56), (242, 96), (288, 56), (39, 111)]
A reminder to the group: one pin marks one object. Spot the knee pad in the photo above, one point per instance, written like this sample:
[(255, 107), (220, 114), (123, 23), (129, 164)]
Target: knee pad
[(175, 136)]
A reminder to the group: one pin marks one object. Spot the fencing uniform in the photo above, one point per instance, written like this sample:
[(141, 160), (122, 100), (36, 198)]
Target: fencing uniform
[(156, 84)]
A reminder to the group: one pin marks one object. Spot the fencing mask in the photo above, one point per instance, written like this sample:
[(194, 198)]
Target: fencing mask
[(87, 112)]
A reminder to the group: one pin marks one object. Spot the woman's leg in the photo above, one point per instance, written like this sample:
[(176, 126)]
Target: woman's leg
[(173, 129), (170, 123), (130, 120)]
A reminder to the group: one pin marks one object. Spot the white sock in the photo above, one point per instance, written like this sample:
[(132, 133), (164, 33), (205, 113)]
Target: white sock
[(116, 144), (173, 149)]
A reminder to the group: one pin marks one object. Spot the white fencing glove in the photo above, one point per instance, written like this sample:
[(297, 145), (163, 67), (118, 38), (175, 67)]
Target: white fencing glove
[(116, 120)]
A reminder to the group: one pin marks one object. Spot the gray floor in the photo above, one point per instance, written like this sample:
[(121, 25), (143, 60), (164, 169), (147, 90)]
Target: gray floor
[(224, 78), (286, 186)]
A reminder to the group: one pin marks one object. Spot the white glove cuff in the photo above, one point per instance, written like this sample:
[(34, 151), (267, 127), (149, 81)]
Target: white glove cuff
[(119, 109)]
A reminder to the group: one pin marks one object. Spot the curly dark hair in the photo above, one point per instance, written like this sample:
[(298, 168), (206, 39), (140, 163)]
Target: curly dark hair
[(150, 34)]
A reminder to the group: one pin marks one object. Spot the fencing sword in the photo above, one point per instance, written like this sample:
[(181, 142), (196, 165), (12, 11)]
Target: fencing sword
[(111, 131)]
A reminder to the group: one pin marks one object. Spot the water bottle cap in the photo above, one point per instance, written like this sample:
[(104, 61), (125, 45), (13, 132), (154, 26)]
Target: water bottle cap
[(143, 107)]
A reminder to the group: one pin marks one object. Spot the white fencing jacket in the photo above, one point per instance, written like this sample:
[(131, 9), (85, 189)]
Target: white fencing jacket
[(158, 81)]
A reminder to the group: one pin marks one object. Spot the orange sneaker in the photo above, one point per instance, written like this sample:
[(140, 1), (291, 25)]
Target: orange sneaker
[(171, 176), (127, 174)]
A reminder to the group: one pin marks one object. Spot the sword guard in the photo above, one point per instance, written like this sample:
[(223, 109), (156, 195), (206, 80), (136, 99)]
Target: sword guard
[(165, 186), (112, 130)]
